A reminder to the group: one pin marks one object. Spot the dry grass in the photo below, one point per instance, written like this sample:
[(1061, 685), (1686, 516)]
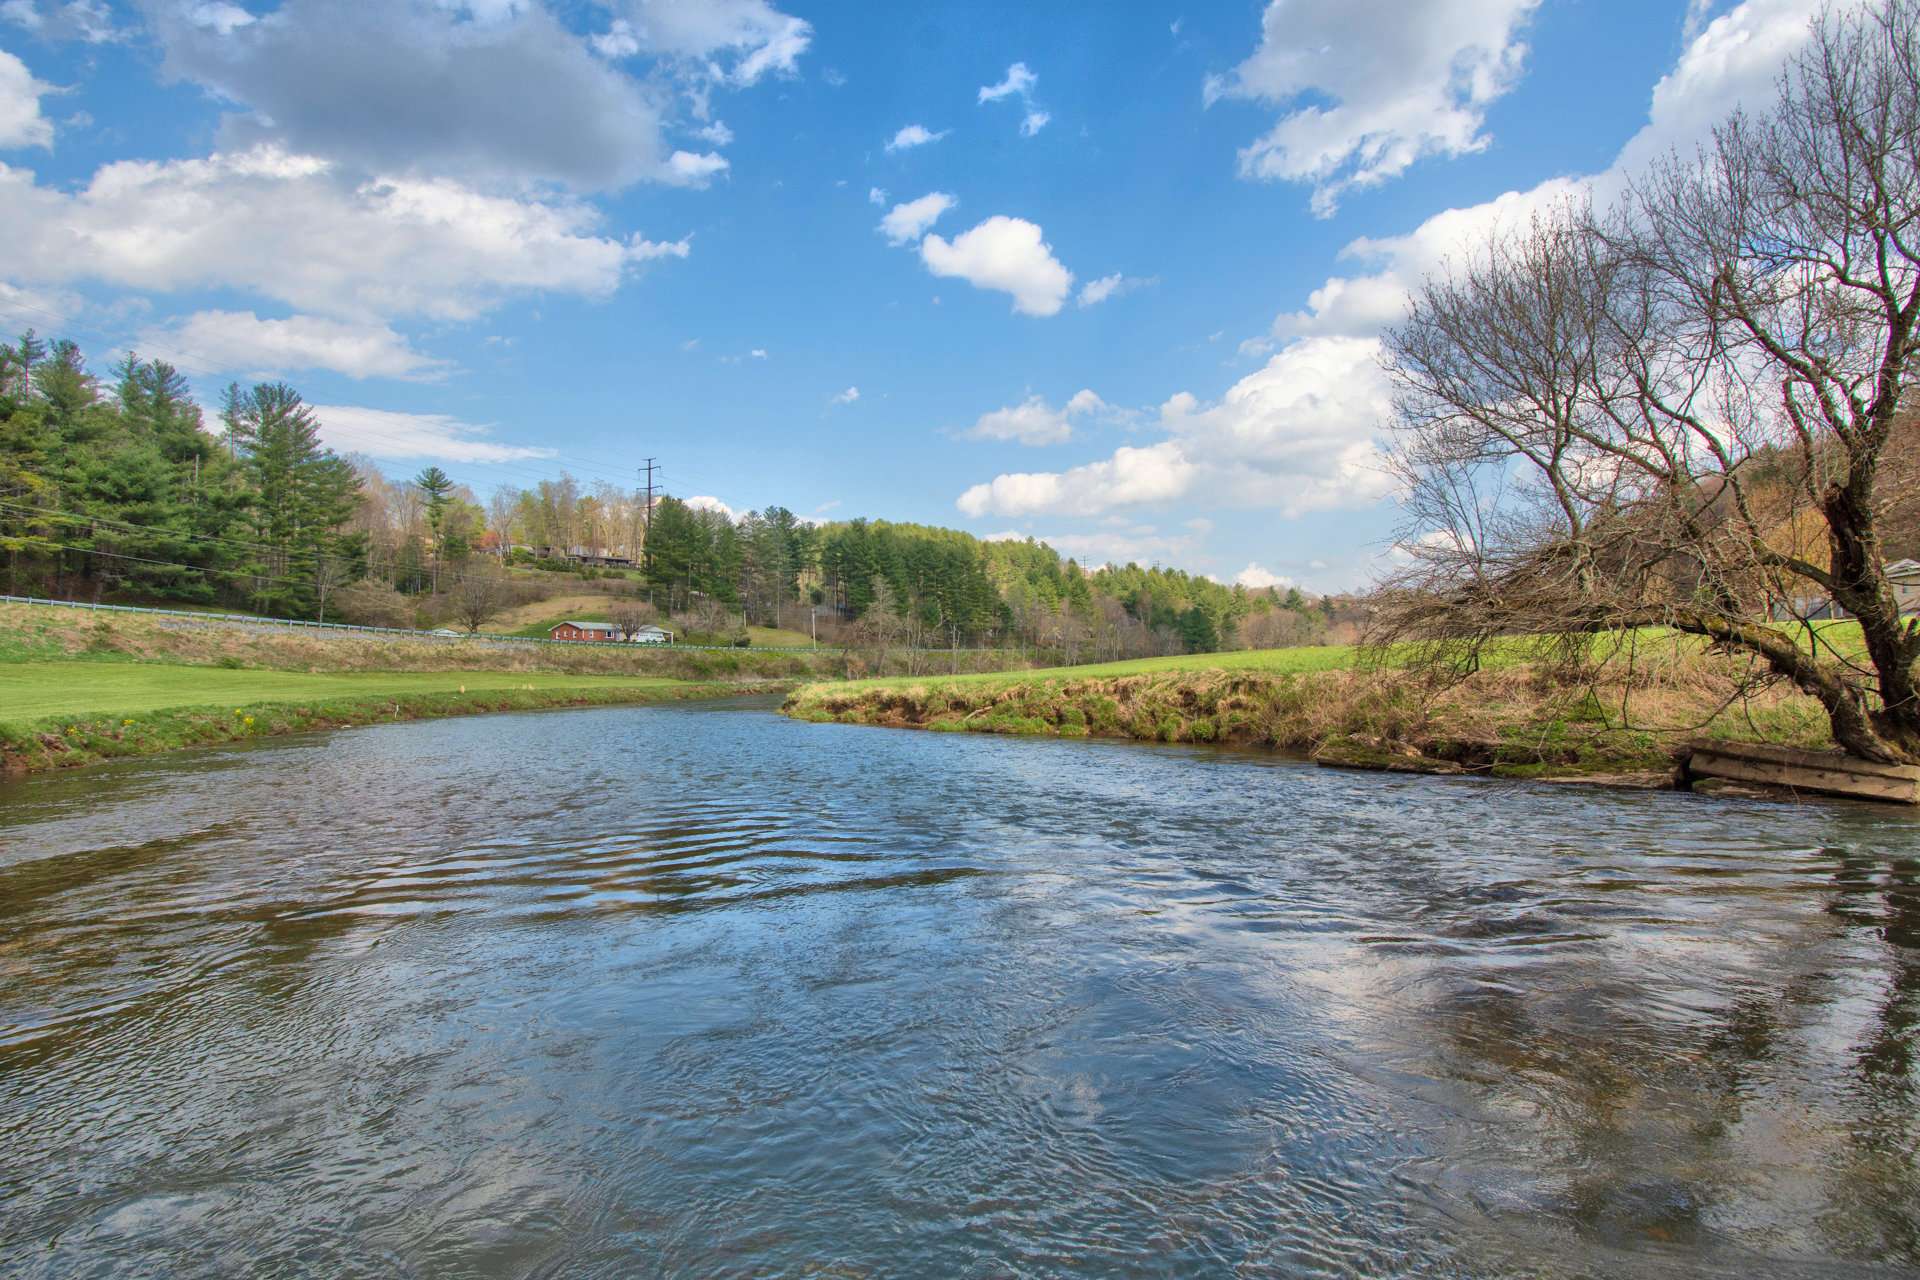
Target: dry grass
[(1512, 720)]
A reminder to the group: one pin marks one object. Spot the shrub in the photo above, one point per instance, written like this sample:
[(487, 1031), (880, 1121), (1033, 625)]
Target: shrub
[(368, 603)]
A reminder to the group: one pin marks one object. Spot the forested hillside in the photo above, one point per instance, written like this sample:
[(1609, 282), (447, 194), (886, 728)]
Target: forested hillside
[(119, 487)]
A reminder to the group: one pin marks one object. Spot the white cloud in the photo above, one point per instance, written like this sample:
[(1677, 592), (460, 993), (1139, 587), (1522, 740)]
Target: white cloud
[(1132, 475), (1018, 80), (1370, 86), (876, 195), (290, 228), (1095, 292), (705, 34), (907, 222), (848, 396), (1035, 422), (240, 341), (1256, 578), (641, 249), (1734, 60), (21, 124), (384, 433), (685, 169), (88, 21), (758, 353), (716, 133), (1006, 254), (915, 135), (1019, 84), (707, 502), (23, 308), (1297, 435)]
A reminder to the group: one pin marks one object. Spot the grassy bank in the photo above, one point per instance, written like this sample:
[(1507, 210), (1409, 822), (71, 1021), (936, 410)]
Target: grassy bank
[(66, 713), (44, 632), (1512, 721)]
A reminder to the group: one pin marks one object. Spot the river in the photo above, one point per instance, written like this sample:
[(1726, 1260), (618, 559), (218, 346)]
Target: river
[(699, 991)]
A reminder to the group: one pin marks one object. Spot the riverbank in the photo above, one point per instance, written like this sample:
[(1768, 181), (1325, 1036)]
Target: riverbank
[(44, 632), (66, 714), (1514, 721)]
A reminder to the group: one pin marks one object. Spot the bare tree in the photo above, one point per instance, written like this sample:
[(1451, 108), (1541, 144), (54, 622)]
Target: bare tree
[(631, 615), (479, 595), (329, 573), (1676, 411), (502, 507)]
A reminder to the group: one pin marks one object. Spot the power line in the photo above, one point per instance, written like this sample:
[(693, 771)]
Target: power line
[(174, 564)]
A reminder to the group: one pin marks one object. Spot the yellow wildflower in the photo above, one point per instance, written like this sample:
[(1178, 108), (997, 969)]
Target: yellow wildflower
[(249, 722)]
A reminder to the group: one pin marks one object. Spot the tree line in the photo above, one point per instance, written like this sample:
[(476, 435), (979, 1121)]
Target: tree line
[(119, 487)]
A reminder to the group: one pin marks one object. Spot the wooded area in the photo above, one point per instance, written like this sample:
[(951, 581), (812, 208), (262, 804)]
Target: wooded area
[(119, 489)]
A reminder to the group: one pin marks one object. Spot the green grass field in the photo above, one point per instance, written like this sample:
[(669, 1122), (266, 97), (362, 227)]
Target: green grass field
[(543, 628), (779, 638), (39, 691), (1278, 661)]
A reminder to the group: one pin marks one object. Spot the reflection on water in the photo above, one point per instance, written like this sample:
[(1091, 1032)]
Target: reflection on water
[(699, 991)]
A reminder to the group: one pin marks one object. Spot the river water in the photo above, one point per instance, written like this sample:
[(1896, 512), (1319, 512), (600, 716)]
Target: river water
[(699, 991)]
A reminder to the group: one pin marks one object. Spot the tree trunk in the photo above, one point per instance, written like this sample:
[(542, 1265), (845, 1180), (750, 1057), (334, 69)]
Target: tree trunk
[(1860, 586), (1853, 726)]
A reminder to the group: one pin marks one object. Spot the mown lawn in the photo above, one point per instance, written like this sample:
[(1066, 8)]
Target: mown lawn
[(38, 691)]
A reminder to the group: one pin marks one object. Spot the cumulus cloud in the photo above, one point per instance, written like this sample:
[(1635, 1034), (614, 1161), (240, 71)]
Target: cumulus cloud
[(1256, 578), (1019, 84), (1297, 435), (384, 433), (707, 502), (487, 93), (876, 195), (21, 124), (1035, 422), (1371, 86), (1132, 475), (240, 341), (1732, 61), (716, 133), (1006, 254), (686, 169), (288, 227), (847, 397), (907, 222), (914, 135)]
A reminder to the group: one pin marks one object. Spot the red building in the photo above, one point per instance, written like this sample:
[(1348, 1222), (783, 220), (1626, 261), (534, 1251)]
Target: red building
[(586, 632)]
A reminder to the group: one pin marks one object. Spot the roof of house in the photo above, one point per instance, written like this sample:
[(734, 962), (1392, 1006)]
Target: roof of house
[(1903, 569), (585, 626)]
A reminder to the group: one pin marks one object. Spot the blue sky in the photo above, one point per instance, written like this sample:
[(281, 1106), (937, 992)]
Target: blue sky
[(1111, 275)]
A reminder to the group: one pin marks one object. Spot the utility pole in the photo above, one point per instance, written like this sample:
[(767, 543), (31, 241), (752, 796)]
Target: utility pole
[(646, 521)]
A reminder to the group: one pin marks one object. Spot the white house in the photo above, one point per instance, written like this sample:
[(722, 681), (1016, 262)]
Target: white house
[(1902, 575), (651, 634)]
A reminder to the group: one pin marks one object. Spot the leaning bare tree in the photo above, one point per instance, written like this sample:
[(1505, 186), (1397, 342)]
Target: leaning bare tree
[(1682, 410)]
